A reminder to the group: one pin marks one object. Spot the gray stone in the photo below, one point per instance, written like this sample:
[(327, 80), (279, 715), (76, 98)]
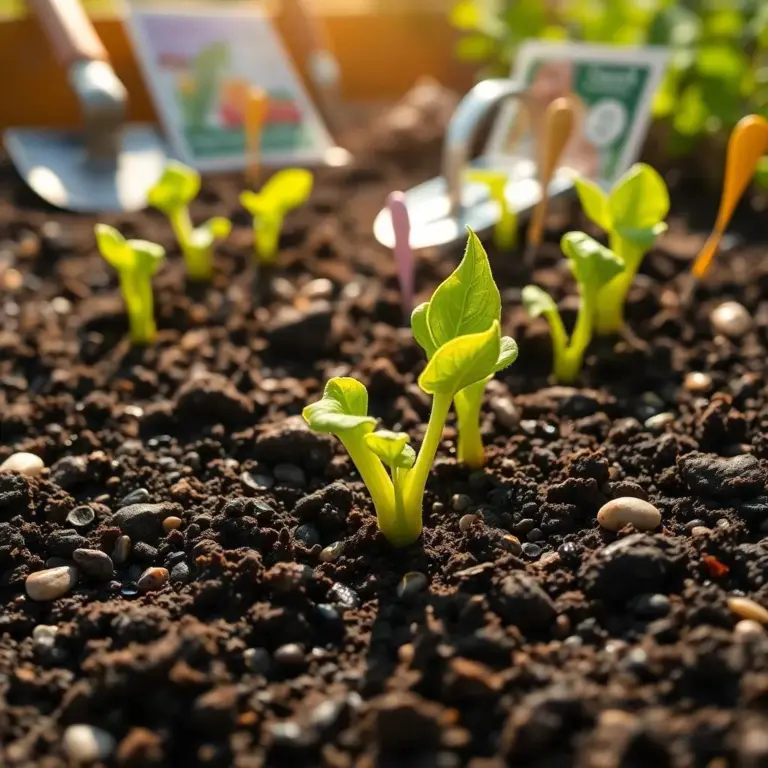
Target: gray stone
[(94, 563)]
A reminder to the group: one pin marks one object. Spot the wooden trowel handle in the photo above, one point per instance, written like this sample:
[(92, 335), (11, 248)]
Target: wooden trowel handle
[(69, 31)]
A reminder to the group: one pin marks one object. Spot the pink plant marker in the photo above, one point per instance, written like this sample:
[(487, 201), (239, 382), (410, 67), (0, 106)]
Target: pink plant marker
[(401, 226)]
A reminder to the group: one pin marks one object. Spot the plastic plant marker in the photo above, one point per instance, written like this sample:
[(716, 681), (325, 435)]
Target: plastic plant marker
[(256, 106), (401, 225), (747, 144), (505, 229), (558, 127)]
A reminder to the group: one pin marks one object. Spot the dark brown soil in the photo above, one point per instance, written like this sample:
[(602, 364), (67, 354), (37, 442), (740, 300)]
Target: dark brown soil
[(567, 650)]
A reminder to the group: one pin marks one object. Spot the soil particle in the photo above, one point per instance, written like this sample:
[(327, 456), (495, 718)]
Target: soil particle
[(292, 442), (63, 543), (714, 477), (520, 600), (213, 399)]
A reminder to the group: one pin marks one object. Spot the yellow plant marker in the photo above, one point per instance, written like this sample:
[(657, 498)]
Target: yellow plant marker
[(558, 127), (505, 231), (256, 106), (747, 144)]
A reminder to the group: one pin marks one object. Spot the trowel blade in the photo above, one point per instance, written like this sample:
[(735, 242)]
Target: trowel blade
[(56, 166)]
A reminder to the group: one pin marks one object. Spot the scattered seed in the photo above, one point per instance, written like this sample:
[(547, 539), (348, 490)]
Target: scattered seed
[(153, 579), (25, 463), (332, 552), (698, 383), (172, 523), (512, 544), (44, 635), (460, 502), (745, 608), (122, 550), (617, 513), (86, 743), (411, 583), (81, 517), (730, 319), (699, 531), (466, 522), (659, 421), (51, 583)]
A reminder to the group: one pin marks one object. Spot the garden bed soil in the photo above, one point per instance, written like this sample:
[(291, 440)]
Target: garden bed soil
[(567, 645)]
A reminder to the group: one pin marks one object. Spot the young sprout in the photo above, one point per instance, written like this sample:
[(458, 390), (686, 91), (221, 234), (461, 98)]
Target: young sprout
[(465, 351), (175, 190), (285, 191), (594, 266), (633, 216), (468, 301), (505, 231), (136, 261)]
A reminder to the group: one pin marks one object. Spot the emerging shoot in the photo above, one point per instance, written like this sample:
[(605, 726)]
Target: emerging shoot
[(505, 231), (594, 266), (465, 349), (285, 191), (176, 189), (136, 261), (633, 216)]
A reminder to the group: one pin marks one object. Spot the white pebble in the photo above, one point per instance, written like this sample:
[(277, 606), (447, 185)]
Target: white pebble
[(730, 319), (620, 512), (86, 743), (26, 463), (749, 628), (51, 583)]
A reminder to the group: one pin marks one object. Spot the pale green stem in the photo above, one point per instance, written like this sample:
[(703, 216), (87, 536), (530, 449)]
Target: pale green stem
[(568, 364), (266, 237), (505, 231), (137, 292), (612, 298), (468, 402), (199, 261)]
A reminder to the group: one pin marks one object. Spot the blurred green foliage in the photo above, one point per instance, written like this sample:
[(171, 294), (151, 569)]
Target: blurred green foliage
[(718, 70)]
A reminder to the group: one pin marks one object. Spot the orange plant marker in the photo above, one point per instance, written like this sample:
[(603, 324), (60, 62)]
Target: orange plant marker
[(256, 106), (558, 127), (747, 144)]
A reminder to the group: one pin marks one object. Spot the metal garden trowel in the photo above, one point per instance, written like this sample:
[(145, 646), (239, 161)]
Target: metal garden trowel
[(440, 209), (108, 166)]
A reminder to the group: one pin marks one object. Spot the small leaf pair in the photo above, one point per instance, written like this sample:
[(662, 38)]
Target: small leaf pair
[(633, 216), (285, 191), (136, 261), (594, 266), (465, 348), (177, 188)]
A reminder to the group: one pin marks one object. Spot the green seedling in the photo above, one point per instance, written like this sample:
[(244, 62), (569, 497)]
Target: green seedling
[(285, 191), (176, 189), (136, 261), (468, 301), (633, 216), (467, 349), (594, 266), (505, 230)]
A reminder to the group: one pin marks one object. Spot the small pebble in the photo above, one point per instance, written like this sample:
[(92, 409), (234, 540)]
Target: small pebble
[(257, 659), (153, 579), (699, 531), (139, 496), (87, 744), (745, 608), (659, 421), (44, 635), (122, 550), (748, 628), (344, 596), (94, 563), (438, 508), (460, 502), (51, 583), (698, 383), (533, 551), (730, 319), (320, 288), (568, 551), (506, 413), (180, 573), (81, 517), (332, 552), (172, 523), (290, 655), (291, 474), (307, 534), (617, 513), (512, 544), (651, 606), (466, 522), (411, 583), (25, 463), (535, 534)]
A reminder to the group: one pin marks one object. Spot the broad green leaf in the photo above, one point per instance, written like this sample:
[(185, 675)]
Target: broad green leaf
[(466, 14), (507, 353), (538, 302), (392, 448), (462, 361), (594, 202), (344, 407), (177, 188), (639, 199), (255, 203), (468, 301), (113, 247), (421, 329), (147, 256), (592, 264), (288, 189), (643, 238)]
